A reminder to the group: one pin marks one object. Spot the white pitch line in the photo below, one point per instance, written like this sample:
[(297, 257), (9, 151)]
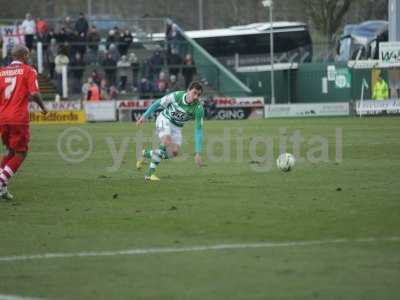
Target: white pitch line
[(219, 247), (13, 297)]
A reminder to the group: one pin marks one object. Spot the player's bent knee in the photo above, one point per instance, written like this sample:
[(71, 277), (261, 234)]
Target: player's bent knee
[(166, 140), (175, 153)]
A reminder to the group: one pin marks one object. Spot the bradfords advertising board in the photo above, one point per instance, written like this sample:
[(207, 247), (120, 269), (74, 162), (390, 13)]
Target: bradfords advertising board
[(307, 110), (234, 108), (378, 107), (58, 117), (65, 112)]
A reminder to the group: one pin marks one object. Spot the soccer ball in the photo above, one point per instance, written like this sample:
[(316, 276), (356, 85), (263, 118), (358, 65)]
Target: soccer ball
[(285, 162)]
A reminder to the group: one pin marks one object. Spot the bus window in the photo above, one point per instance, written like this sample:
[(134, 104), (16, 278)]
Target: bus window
[(230, 45), (210, 45)]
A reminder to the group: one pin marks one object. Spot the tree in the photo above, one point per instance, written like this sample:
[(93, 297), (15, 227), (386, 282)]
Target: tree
[(327, 15)]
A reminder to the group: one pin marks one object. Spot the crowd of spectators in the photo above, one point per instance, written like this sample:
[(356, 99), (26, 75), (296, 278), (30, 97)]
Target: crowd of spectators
[(107, 67)]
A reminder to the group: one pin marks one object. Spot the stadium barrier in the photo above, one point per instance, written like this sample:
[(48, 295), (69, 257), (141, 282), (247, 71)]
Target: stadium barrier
[(219, 108), (236, 108), (307, 110), (102, 111), (74, 112), (132, 110), (57, 106), (378, 107)]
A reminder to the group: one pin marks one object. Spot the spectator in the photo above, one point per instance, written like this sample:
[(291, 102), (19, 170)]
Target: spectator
[(174, 62), (117, 33), (92, 91), (81, 43), (156, 63), (62, 36), (114, 52), (381, 90), (51, 52), (77, 69), (174, 38), (85, 88), (110, 69), (41, 28), (173, 84), (29, 29), (104, 90), (135, 70), (123, 66), (66, 48), (113, 93), (162, 84), (81, 25), (111, 38), (125, 41), (93, 39), (68, 26), (49, 36), (42, 38), (145, 88), (189, 69), (60, 61), (168, 30), (96, 77)]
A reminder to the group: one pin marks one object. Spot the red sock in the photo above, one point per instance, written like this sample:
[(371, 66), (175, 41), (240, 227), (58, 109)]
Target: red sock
[(10, 169), (15, 162), (5, 160)]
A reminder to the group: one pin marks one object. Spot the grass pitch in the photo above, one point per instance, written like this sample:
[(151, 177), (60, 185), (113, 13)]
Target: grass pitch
[(345, 187)]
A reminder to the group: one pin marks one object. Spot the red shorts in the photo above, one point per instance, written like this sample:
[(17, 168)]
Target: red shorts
[(15, 137)]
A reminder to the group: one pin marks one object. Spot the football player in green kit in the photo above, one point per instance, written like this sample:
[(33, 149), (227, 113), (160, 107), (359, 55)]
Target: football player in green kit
[(178, 108)]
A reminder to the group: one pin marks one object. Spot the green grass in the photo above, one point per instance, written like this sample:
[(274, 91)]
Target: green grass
[(75, 207)]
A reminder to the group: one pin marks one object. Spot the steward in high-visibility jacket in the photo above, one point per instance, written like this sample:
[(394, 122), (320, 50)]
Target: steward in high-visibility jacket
[(381, 90)]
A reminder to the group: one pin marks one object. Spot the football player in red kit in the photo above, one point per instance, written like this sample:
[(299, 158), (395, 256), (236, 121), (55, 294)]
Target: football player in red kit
[(18, 86)]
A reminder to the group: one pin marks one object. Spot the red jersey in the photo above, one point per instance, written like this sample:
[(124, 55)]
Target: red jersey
[(17, 82)]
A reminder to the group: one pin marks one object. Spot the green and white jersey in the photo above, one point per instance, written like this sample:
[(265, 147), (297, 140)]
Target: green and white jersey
[(178, 111)]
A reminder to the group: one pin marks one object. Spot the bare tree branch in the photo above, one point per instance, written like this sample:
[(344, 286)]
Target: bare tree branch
[(327, 15)]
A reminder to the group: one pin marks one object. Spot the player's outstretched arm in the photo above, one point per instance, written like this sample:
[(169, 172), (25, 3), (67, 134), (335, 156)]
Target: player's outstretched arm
[(156, 104), (198, 136), (36, 97), (140, 121)]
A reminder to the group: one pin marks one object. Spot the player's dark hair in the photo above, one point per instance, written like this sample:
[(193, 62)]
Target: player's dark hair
[(19, 51), (196, 85)]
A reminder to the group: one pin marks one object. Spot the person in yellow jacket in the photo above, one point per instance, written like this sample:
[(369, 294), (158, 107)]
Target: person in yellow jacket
[(381, 90)]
